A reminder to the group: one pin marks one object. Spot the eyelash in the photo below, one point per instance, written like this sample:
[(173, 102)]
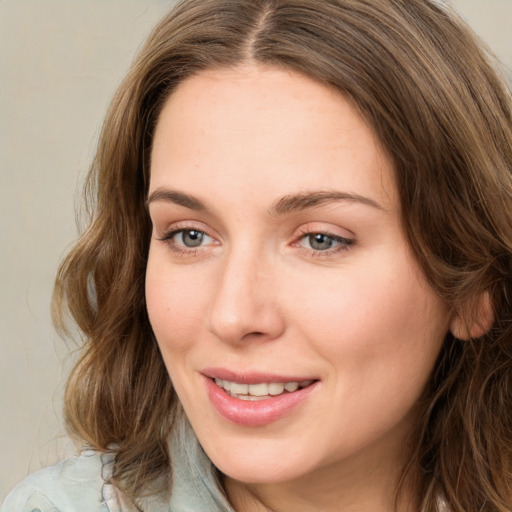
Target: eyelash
[(343, 244), (182, 250)]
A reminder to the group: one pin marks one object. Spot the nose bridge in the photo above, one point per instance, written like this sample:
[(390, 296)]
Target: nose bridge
[(244, 302)]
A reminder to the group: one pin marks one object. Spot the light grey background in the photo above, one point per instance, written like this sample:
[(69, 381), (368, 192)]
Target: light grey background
[(60, 62)]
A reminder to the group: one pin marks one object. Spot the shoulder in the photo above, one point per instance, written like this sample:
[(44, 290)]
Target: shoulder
[(73, 485)]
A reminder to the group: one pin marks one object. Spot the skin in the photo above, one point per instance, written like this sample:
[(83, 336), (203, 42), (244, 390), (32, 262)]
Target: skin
[(257, 296)]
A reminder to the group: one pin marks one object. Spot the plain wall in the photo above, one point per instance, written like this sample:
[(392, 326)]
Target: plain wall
[(60, 62)]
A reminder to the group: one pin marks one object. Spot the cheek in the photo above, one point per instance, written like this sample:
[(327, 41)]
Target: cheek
[(174, 305), (380, 336), (382, 322)]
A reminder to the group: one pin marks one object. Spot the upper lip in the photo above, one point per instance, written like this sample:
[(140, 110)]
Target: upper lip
[(252, 377)]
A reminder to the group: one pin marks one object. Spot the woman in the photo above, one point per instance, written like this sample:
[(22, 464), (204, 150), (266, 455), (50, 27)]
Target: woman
[(295, 285)]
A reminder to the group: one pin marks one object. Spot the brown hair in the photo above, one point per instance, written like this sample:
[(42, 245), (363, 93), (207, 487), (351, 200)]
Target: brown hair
[(422, 81)]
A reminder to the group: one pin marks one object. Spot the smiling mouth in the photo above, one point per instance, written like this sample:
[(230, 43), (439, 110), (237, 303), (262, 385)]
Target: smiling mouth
[(262, 390)]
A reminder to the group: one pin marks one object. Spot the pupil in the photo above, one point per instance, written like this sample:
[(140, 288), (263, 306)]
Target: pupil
[(192, 238), (320, 242)]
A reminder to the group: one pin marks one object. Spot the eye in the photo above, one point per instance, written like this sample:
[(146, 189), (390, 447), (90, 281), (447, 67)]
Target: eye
[(186, 240), (320, 241), (190, 237), (323, 243)]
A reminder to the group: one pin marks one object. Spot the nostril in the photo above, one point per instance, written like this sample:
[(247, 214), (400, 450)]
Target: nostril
[(255, 334)]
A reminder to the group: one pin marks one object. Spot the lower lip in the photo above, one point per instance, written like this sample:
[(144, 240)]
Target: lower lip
[(257, 413)]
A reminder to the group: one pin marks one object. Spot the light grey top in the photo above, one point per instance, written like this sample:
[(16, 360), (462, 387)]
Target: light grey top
[(80, 484)]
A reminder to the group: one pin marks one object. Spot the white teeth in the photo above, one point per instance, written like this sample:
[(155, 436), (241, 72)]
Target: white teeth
[(239, 389), (250, 398), (261, 390), (276, 388), (223, 384), (258, 389), (291, 386)]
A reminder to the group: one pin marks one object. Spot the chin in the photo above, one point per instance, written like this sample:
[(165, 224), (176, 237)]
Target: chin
[(259, 468), (251, 474)]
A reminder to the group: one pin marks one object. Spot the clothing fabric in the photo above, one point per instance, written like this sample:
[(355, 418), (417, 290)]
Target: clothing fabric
[(80, 484)]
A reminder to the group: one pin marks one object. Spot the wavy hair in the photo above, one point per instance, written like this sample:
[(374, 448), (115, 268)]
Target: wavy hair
[(423, 82)]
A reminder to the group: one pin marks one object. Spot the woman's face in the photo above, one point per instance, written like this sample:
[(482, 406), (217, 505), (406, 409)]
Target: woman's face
[(294, 321)]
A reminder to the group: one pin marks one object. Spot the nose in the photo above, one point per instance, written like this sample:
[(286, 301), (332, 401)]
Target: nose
[(245, 304)]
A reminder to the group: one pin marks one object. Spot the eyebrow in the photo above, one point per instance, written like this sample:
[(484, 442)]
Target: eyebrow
[(173, 196), (287, 204), (305, 200)]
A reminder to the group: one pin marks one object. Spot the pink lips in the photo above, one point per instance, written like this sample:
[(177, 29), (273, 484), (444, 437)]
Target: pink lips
[(258, 413)]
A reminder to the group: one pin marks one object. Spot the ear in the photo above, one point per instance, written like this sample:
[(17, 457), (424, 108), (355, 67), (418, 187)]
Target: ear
[(475, 321)]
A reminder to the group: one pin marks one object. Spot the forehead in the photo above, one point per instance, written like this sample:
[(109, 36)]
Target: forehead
[(269, 129)]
